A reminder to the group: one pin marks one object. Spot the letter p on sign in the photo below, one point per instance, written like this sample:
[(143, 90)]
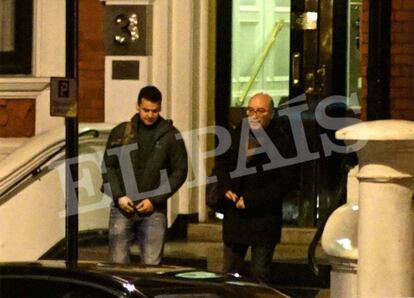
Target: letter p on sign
[(63, 97)]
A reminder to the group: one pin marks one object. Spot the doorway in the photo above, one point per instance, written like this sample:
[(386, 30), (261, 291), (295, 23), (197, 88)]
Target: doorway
[(288, 49)]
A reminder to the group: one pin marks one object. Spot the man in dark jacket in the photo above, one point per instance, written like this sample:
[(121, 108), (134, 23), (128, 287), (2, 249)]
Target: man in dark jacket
[(254, 186), (145, 163)]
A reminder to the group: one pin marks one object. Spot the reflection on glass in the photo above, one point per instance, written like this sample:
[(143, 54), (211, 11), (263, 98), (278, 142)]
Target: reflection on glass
[(253, 26), (7, 9), (354, 81)]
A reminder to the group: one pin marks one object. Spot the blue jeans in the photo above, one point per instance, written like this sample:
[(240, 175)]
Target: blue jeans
[(148, 231)]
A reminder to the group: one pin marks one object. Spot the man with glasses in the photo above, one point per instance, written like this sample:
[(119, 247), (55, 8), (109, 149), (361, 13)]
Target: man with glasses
[(145, 163), (254, 192)]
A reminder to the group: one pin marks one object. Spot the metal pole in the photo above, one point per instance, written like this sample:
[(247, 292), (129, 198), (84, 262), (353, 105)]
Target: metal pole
[(379, 55), (71, 125)]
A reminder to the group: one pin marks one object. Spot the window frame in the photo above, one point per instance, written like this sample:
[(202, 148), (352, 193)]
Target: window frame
[(19, 61)]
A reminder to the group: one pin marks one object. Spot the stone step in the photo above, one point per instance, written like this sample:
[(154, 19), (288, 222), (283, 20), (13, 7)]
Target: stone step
[(293, 247), (209, 252), (289, 266), (213, 232)]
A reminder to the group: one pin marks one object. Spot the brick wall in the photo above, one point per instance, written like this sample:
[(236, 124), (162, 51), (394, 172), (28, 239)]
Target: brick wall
[(402, 58), (17, 117), (91, 61)]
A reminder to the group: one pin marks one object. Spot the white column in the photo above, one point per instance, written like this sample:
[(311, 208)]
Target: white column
[(203, 100), (182, 81), (386, 215)]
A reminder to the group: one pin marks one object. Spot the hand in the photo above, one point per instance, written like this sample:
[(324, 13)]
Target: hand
[(145, 206), (126, 204), (231, 196), (240, 204)]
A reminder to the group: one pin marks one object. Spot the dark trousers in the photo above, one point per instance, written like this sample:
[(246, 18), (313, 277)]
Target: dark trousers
[(261, 260)]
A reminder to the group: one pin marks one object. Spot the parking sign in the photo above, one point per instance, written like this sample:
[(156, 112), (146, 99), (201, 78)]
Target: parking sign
[(63, 97)]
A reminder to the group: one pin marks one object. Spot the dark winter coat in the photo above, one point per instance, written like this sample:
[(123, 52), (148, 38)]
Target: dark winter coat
[(167, 152), (263, 192)]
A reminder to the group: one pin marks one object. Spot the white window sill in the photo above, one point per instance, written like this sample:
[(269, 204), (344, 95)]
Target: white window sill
[(18, 87)]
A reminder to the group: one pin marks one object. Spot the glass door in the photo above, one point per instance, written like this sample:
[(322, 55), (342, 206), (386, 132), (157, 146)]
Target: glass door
[(288, 49), (260, 49)]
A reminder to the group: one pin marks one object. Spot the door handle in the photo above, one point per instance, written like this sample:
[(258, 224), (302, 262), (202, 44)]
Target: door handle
[(295, 69), (321, 78)]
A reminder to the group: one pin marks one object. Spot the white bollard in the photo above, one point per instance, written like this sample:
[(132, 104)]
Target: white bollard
[(339, 242), (386, 207)]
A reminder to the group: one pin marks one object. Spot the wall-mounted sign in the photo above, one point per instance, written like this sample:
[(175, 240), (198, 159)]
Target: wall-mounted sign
[(63, 97), (128, 30)]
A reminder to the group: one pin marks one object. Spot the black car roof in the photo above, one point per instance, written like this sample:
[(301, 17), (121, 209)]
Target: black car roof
[(150, 280)]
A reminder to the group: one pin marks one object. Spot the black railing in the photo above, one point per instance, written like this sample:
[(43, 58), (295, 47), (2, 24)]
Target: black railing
[(39, 167)]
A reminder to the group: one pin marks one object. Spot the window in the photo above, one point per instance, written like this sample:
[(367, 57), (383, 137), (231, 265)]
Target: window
[(257, 23), (16, 23)]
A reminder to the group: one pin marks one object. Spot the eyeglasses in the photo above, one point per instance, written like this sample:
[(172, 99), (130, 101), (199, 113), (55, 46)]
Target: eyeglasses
[(258, 112)]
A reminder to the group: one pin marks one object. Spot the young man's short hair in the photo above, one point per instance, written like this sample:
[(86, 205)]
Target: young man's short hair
[(150, 93)]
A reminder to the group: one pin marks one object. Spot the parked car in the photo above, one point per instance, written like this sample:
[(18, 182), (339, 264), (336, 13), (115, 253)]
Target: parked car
[(91, 279)]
